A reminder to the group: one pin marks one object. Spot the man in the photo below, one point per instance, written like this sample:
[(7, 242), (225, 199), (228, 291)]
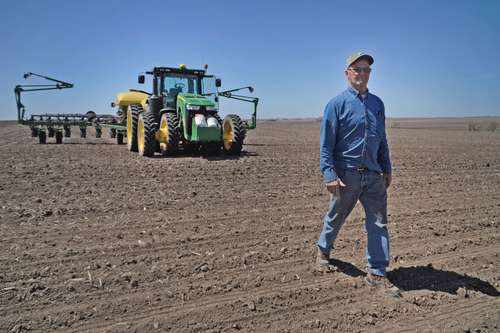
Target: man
[(355, 162)]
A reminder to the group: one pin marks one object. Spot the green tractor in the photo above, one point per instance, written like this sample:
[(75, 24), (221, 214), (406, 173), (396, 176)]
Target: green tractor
[(182, 113)]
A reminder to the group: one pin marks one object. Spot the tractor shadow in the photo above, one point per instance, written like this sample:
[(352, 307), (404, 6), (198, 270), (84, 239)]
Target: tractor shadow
[(83, 143), (264, 144), (429, 278), (210, 157), (222, 157)]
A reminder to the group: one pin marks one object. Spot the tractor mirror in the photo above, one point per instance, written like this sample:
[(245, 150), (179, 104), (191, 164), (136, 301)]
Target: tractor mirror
[(140, 79), (250, 89), (218, 83), (113, 104)]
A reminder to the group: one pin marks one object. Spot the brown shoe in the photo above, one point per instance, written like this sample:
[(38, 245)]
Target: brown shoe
[(382, 283), (322, 259), (323, 264)]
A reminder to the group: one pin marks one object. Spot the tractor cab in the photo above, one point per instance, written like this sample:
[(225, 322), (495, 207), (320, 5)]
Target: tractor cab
[(172, 86)]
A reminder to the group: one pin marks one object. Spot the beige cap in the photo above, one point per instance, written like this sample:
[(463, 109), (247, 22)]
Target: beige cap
[(357, 56)]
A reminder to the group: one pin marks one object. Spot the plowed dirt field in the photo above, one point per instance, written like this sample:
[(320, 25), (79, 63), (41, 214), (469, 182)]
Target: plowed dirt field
[(94, 238)]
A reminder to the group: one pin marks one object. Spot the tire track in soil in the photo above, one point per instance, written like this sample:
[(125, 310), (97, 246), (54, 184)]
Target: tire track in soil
[(213, 301), (279, 289)]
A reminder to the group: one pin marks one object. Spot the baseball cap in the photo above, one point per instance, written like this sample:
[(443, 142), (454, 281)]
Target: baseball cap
[(357, 56)]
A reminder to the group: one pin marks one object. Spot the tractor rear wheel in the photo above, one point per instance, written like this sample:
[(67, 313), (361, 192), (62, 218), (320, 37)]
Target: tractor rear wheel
[(132, 117), (168, 133), (233, 134), (146, 129)]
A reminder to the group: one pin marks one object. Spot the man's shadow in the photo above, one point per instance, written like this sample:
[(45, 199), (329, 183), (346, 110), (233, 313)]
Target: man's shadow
[(427, 277), (346, 268), (424, 277)]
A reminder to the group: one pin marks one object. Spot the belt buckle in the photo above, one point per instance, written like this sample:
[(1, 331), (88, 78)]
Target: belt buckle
[(361, 169)]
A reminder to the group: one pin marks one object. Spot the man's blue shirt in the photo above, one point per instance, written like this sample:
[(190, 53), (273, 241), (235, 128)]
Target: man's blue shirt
[(353, 135)]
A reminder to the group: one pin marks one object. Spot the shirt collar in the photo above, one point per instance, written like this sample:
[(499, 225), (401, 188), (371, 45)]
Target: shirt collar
[(356, 93)]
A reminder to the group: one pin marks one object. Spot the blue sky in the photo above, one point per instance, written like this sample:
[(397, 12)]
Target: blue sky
[(432, 58)]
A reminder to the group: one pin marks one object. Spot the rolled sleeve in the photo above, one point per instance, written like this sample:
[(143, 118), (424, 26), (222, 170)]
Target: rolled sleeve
[(328, 134)]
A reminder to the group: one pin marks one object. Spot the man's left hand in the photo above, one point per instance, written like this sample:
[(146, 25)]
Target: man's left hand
[(387, 179)]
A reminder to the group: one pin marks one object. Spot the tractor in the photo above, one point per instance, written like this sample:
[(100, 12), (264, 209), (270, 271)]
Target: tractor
[(182, 113)]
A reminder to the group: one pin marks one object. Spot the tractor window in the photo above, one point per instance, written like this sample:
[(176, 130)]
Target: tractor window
[(209, 89), (174, 85)]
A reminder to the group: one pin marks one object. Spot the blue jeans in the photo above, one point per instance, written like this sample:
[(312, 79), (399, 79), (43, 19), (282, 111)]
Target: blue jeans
[(369, 188)]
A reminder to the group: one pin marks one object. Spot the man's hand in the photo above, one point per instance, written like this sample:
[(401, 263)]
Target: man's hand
[(334, 187), (387, 179)]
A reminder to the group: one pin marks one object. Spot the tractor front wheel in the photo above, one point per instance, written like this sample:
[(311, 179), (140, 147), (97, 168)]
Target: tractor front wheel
[(168, 133), (233, 134), (132, 117), (146, 129)]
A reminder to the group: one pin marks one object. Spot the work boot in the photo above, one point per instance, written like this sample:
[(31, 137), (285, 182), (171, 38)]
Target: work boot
[(382, 283), (322, 259), (323, 263)]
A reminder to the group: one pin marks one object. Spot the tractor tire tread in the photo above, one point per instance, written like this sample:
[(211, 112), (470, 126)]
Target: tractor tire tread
[(239, 131)]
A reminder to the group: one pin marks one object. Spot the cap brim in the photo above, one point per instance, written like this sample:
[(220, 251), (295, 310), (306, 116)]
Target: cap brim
[(366, 57)]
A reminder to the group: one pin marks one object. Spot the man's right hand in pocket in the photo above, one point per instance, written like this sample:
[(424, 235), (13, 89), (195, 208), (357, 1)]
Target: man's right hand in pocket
[(334, 187)]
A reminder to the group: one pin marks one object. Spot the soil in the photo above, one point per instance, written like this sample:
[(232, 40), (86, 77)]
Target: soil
[(94, 238)]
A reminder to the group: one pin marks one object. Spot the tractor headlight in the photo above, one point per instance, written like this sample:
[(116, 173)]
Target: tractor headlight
[(192, 107), (212, 108)]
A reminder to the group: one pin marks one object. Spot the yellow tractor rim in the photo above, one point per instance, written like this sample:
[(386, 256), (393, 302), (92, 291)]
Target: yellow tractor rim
[(228, 135), (140, 134), (129, 126), (163, 132)]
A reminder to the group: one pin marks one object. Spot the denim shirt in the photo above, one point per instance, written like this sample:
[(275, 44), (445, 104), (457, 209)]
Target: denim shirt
[(353, 135)]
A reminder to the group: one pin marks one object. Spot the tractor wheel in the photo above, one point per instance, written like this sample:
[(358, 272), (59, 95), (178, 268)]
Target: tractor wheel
[(146, 129), (51, 132), (119, 138), (83, 132), (132, 117), (219, 119), (233, 134), (59, 137), (112, 133), (168, 133), (42, 137)]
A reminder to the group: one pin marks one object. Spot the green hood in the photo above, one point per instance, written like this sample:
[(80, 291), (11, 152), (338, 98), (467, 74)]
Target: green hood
[(195, 99)]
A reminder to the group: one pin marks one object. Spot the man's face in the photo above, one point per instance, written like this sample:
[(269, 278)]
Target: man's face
[(358, 75)]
